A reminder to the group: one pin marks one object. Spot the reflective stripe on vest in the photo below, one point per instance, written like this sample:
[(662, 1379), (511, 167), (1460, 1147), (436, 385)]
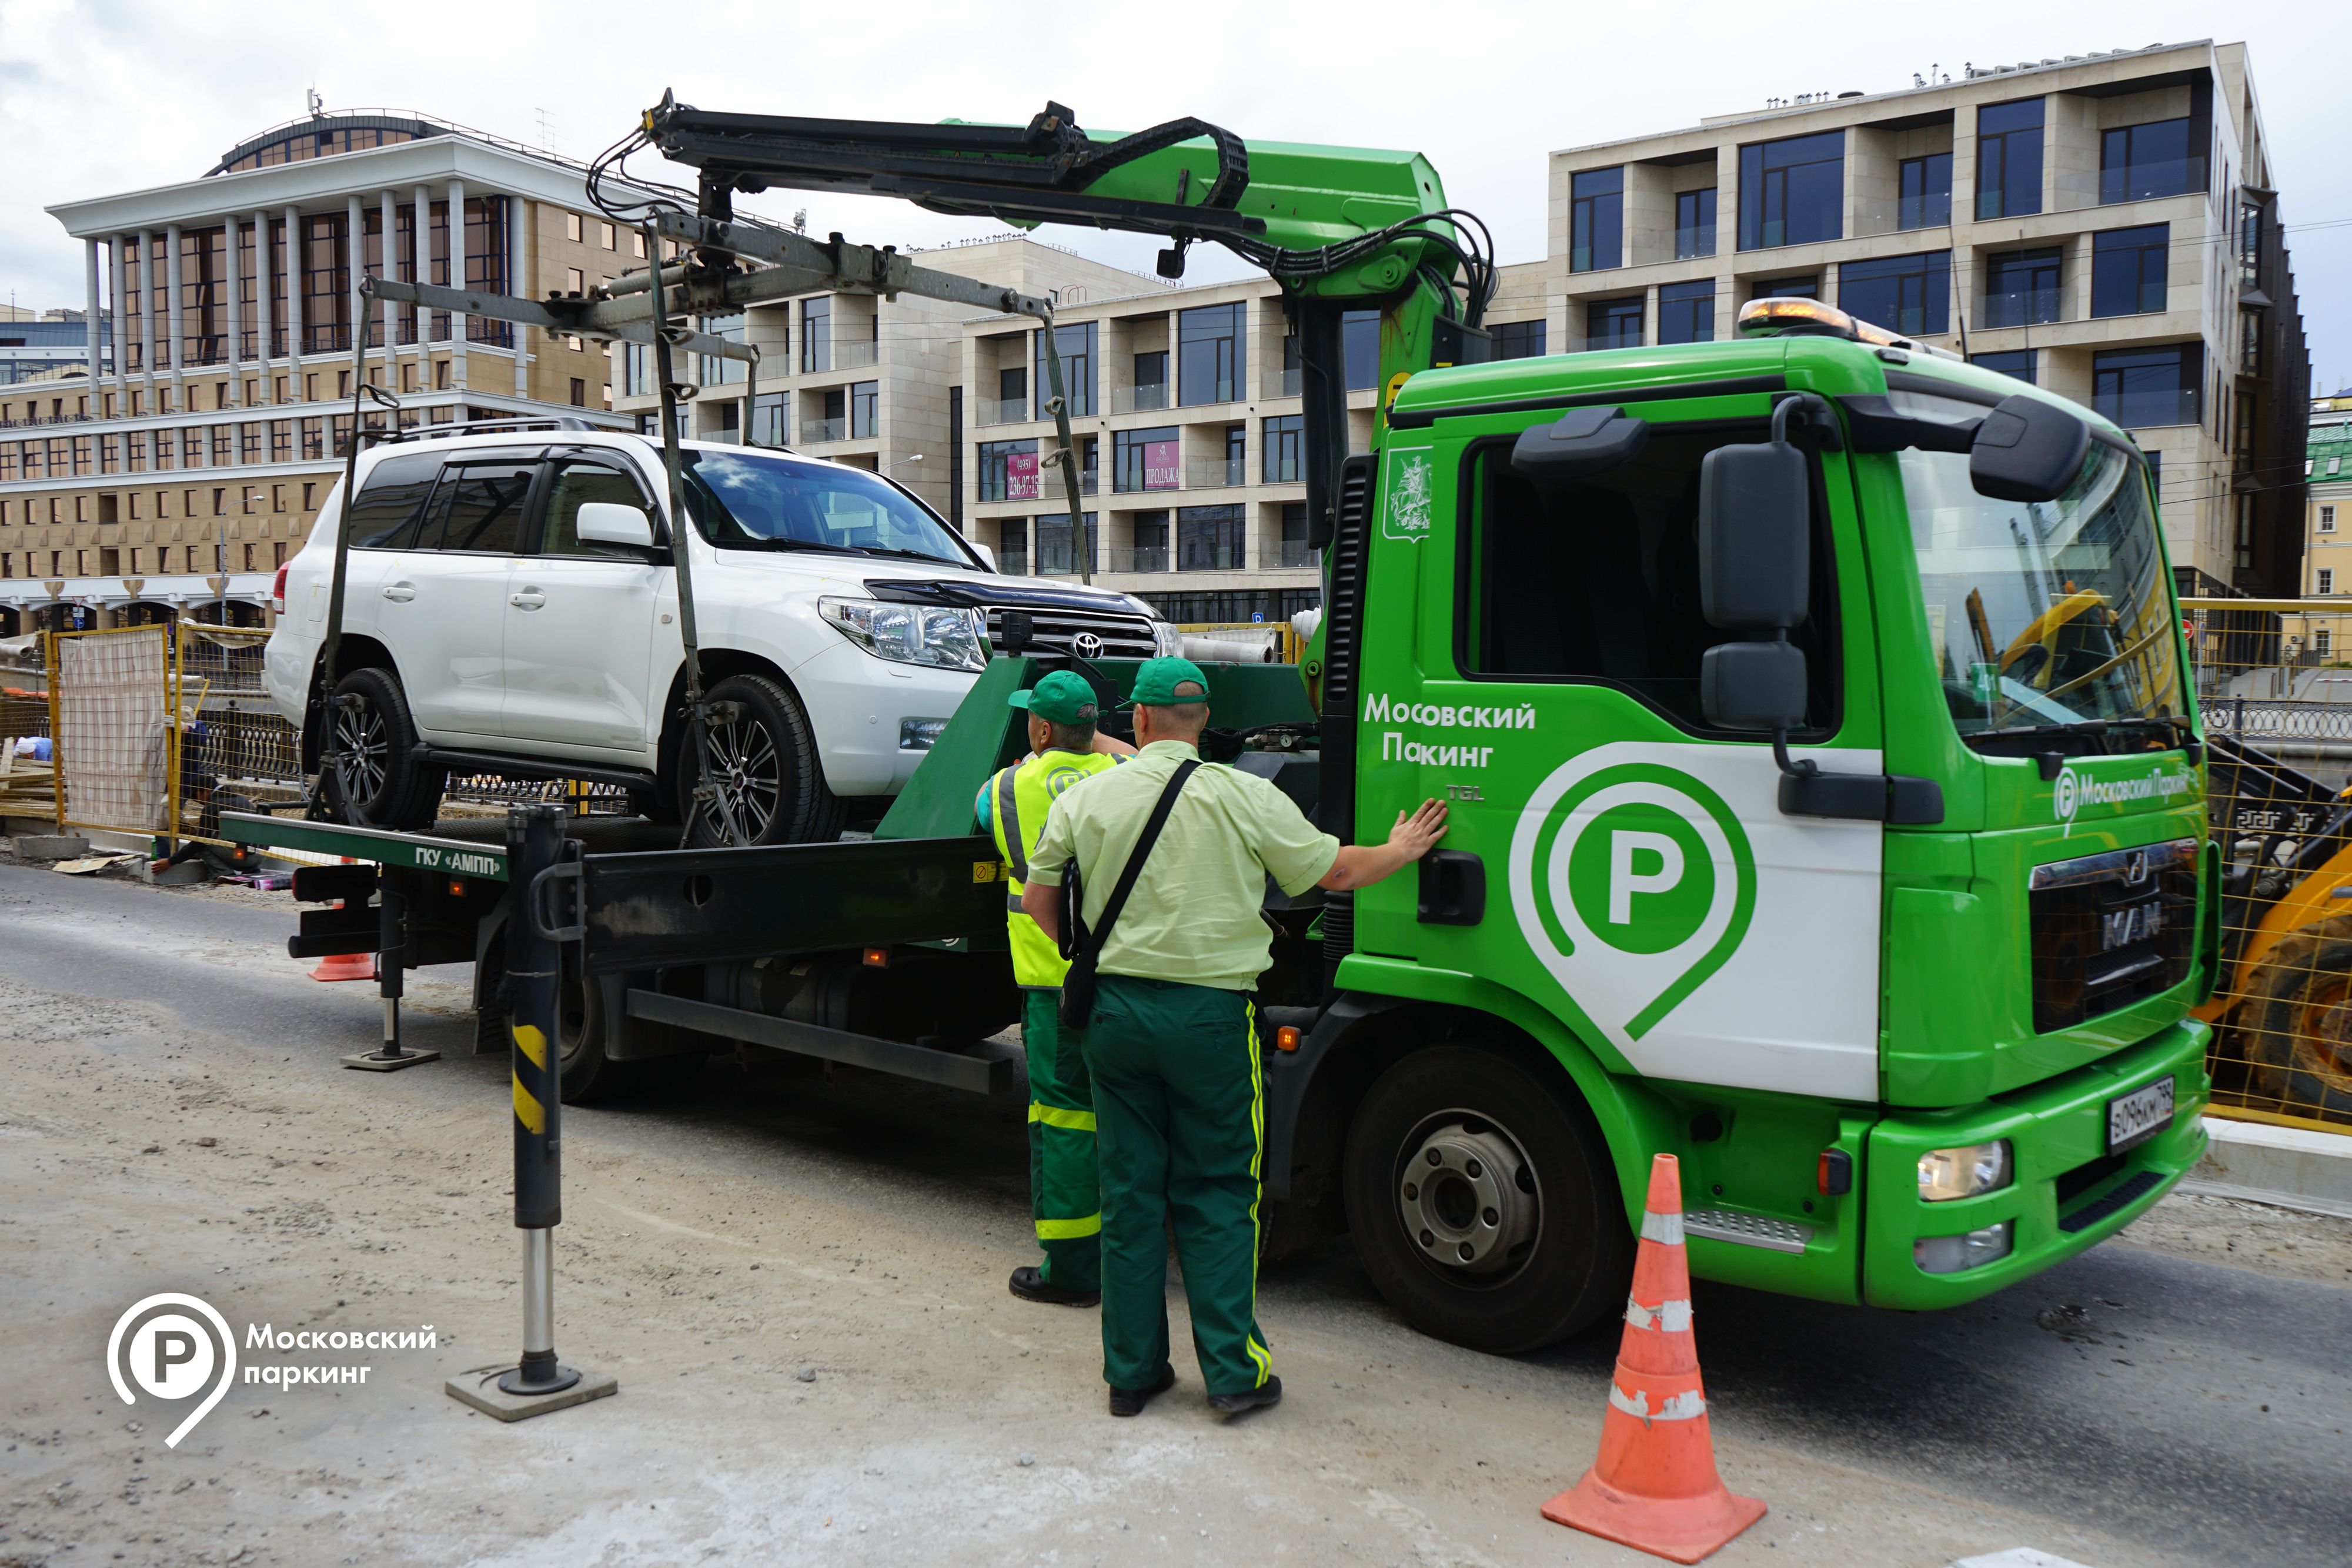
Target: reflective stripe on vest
[(1024, 793)]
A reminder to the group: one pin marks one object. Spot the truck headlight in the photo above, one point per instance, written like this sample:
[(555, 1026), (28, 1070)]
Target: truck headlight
[(939, 636), (1167, 642), (1947, 1174), (1957, 1254)]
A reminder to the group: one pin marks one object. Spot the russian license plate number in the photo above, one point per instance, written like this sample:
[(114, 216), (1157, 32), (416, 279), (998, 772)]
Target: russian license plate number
[(2134, 1118)]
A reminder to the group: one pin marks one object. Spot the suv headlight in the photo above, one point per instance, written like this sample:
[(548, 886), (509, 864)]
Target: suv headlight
[(1166, 641), (1947, 1174), (939, 635)]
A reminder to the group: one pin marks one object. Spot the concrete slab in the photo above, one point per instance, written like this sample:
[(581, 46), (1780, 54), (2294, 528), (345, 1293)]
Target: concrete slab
[(2017, 1557), (478, 1386), (185, 874), (2295, 1167), (51, 846)]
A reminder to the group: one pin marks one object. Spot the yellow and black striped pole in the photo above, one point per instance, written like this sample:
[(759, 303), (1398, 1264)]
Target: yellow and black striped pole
[(534, 844)]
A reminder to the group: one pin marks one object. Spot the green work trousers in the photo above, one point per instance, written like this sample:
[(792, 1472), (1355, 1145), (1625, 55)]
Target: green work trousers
[(1182, 1114), (1064, 1198)]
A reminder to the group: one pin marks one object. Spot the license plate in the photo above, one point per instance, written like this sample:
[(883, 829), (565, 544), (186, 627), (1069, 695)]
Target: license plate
[(2134, 1118)]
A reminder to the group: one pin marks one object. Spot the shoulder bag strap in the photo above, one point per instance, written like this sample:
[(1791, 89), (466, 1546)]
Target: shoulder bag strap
[(1099, 935)]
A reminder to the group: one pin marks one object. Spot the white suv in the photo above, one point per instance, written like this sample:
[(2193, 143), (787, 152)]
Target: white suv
[(511, 607)]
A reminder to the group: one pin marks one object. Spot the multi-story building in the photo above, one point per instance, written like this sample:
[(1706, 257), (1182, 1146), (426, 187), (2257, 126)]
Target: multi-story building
[(2106, 225), (1184, 407), (221, 313), (2328, 541), (42, 344)]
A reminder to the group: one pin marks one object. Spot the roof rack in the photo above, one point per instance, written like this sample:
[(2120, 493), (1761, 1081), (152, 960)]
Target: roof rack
[(491, 427)]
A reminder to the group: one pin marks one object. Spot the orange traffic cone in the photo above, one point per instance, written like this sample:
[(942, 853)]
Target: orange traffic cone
[(1654, 1486), (345, 967)]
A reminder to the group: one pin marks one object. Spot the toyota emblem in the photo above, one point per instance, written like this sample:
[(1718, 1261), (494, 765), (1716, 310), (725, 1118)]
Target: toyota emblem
[(1086, 646)]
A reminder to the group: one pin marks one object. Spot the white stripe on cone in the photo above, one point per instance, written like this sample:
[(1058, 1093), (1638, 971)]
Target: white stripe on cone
[(1681, 1406), (1670, 1317), (1666, 1229)]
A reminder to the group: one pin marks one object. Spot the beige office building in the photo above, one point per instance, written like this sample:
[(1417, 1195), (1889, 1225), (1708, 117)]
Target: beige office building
[(2106, 225), (181, 479)]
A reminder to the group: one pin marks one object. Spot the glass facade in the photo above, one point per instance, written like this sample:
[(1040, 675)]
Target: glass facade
[(1613, 324), (1806, 287), (1694, 223), (1144, 459), (1360, 348), (1907, 294), (1596, 220), (1687, 312), (2021, 288), (865, 403), (2127, 270), (2019, 364), (817, 333), (1792, 192), (2148, 386), (1211, 357), (1151, 549), (1517, 339), (1925, 187), (1284, 463), (1076, 347), (2009, 159), (1008, 471), (1057, 554), (2140, 161), (1211, 539)]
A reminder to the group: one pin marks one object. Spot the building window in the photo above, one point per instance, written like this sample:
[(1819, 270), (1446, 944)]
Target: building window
[(2321, 642), (1012, 394), (1284, 463), (1077, 346), (1517, 339), (1008, 471), (817, 333), (2127, 272), (2009, 159), (1596, 220), (2326, 519), (579, 392), (1687, 312), (1211, 539), (608, 237), (1360, 348), (2021, 288), (1056, 556), (1210, 356), (1808, 287), (1151, 380), (2136, 387), (1144, 459), (865, 403), (716, 369), (1907, 294), (571, 228), (2019, 364), (2138, 161), (2326, 580), (1792, 192), (486, 266), (1613, 324), (1151, 549), (1693, 224), (768, 420), (1012, 545), (1925, 187), (1296, 550)]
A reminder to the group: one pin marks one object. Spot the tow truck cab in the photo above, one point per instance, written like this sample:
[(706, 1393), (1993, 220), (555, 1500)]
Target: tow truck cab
[(1916, 1026)]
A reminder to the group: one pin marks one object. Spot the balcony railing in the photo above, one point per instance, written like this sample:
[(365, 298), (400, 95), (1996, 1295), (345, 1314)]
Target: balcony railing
[(856, 356), (2021, 307), (817, 431), (1140, 398), (1141, 558), (1697, 240), (1281, 383), (1004, 410), (2150, 180), (1216, 474), (1284, 471), (1197, 557), (1901, 215), (2136, 408), (1291, 553)]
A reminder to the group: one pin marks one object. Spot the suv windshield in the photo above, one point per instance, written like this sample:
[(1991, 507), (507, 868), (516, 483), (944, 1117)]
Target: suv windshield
[(2046, 615), (743, 501)]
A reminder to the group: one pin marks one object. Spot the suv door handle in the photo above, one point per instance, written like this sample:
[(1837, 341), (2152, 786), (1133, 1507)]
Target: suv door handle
[(527, 598), (400, 592)]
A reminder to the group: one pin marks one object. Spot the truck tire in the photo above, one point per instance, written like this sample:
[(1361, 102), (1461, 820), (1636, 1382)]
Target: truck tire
[(585, 1075), (1483, 1200), (379, 784), (2297, 1021), (765, 763)]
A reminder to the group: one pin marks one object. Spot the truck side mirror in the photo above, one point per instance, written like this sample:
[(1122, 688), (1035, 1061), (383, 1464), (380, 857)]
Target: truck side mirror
[(611, 523), (1754, 532), (1581, 442), (1753, 686), (2027, 450)]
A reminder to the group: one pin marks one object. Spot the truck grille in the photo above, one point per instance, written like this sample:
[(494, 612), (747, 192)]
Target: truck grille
[(1058, 631), (2110, 929)]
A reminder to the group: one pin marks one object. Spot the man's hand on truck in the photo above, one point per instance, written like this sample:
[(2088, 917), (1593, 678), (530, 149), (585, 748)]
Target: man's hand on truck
[(1360, 865)]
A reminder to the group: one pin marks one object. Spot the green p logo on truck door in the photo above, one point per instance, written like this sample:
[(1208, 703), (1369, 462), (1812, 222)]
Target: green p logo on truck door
[(1637, 877)]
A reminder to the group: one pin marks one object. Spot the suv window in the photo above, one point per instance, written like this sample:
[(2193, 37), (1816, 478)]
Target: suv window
[(574, 486), (392, 499), (478, 506), (1598, 581)]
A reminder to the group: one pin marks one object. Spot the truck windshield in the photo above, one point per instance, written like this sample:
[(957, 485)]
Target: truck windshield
[(2045, 616), (741, 500)]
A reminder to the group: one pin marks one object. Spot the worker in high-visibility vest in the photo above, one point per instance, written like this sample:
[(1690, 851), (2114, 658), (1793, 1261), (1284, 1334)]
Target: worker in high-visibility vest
[(1065, 747)]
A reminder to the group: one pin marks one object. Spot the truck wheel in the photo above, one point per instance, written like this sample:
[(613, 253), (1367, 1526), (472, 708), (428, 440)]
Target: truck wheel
[(765, 764), (586, 1075), (2298, 1020), (377, 782), (1483, 1201)]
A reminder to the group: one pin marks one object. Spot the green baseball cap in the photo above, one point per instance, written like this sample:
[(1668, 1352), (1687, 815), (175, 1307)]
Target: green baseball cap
[(1061, 696), (1161, 683)]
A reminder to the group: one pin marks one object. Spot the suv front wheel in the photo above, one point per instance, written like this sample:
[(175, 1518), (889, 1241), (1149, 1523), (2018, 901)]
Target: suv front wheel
[(764, 763), (373, 779)]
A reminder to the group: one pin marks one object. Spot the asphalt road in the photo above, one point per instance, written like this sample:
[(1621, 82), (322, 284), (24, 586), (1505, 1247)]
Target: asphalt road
[(2195, 1410)]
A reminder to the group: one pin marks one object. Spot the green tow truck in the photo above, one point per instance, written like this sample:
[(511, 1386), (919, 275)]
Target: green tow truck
[(1827, 796)]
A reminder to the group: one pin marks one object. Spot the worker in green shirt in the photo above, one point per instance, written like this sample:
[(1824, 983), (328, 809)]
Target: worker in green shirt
[(1065, 747), (1172, 1048)]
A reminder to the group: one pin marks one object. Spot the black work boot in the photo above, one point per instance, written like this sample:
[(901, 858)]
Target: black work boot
[(1266, 1394), (1031, 1286), (1131, 1401)]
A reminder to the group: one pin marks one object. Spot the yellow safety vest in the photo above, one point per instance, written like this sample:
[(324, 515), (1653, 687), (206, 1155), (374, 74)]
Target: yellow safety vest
[(1019, 798)]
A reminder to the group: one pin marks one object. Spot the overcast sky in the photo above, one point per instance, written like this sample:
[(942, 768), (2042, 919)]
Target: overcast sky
[(102, 98)]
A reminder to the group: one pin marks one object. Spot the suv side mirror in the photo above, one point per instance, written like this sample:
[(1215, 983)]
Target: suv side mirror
[(2027, 450), (611, 523)]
